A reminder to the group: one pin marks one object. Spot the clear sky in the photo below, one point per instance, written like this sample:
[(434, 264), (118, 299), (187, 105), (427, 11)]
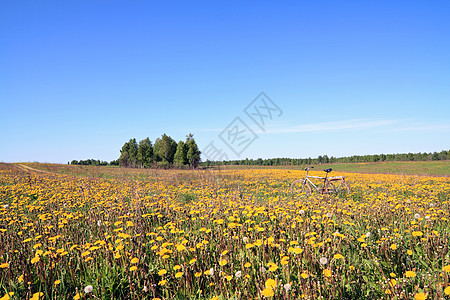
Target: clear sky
[(80, 78)]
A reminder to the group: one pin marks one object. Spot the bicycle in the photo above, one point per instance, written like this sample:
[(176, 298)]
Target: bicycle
[(331, 185)]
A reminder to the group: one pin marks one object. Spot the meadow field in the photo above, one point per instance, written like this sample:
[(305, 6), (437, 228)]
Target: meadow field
[(84, 232)]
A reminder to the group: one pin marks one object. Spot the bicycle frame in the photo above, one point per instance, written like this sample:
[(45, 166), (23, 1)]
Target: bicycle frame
[(327, 186)]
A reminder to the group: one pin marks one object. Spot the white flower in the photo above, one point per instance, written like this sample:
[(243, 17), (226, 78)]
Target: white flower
[(301, 211), (323, 260), (245, 239), (287, 287), (427, 217), (431, 204), (145, 289), (416, 216), (367, 234), (88, 289), (238, 274), (5, 206), (211, 272), (263, 270), (329, 215), (99, 223)]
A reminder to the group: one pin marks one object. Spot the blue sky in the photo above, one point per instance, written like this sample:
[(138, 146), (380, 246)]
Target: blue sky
[(80, 78)]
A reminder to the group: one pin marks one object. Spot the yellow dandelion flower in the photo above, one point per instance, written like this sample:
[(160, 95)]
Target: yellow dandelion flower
[(338, 256), (446, 269), (393, 275), (162, 272), (447, 290), (223, 262), (327, 273), (77, 296), (57, 282), (177, 267), (162, 282), (4, 265), (247, 265), (133, 268), (35, 259), (394, 247), (410, 274), (409, 252), (37, 296), (134, 260), (420, 296), (270, 283), (304, 275), (417, 233), (267, 292), (192, 261), (178, 274), (198, 274)]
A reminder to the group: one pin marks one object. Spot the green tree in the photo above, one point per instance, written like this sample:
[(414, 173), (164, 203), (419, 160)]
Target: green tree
[(193, 154), (167, 148), (145, 153), (180, 158)]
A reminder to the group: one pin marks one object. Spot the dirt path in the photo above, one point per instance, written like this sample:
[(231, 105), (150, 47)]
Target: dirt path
[(27, 168)]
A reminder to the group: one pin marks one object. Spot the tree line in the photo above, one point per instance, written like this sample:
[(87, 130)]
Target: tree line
[(165, 152), (324, 159)]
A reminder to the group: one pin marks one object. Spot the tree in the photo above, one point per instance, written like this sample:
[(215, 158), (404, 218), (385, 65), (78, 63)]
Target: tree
[(193, 154), (180, 157), (145, 153), (167, 148)]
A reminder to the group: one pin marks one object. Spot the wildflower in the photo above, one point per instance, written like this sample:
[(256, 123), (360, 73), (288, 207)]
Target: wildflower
[(287, 287), (198, 274), (178, 274), (238, 274), (7, 296), (20, 279), (301, 211), (367, 234), (270, 283), (420, 296), (447, 290), (327, 273), (134, 260), (177, 267), (37, 296), (4, 265), (214, 298), (211, 272), (192, 261), (304, 275), (263, 270), (77, 296), (338, 256), (446, 268), (162, 282), (410, 274), (409, 252), (416, 216), (57, 282), (393, 275), (88, 289), (323, 260), (35, 259), (162, 272), (133, 268), (417, 233), (394, 247), (247, 265), (329, 215), (223, 262)]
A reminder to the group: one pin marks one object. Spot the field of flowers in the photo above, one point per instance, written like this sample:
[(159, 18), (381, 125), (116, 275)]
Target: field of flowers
[(223, 234)]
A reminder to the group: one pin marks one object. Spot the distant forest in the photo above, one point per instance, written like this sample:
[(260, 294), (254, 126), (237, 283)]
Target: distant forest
[(166, 152), (324, 159)]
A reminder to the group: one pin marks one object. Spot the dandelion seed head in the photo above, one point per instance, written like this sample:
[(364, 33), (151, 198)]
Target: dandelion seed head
[(88, 289), (323, 260)]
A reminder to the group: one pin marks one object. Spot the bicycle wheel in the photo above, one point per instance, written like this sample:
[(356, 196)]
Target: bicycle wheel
[(336, 186), (299, 186)]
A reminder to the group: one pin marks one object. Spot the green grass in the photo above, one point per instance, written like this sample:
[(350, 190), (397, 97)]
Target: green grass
[(431, 168)]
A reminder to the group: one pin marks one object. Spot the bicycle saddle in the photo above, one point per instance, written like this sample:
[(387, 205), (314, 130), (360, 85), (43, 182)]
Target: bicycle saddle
[(328, 170)]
